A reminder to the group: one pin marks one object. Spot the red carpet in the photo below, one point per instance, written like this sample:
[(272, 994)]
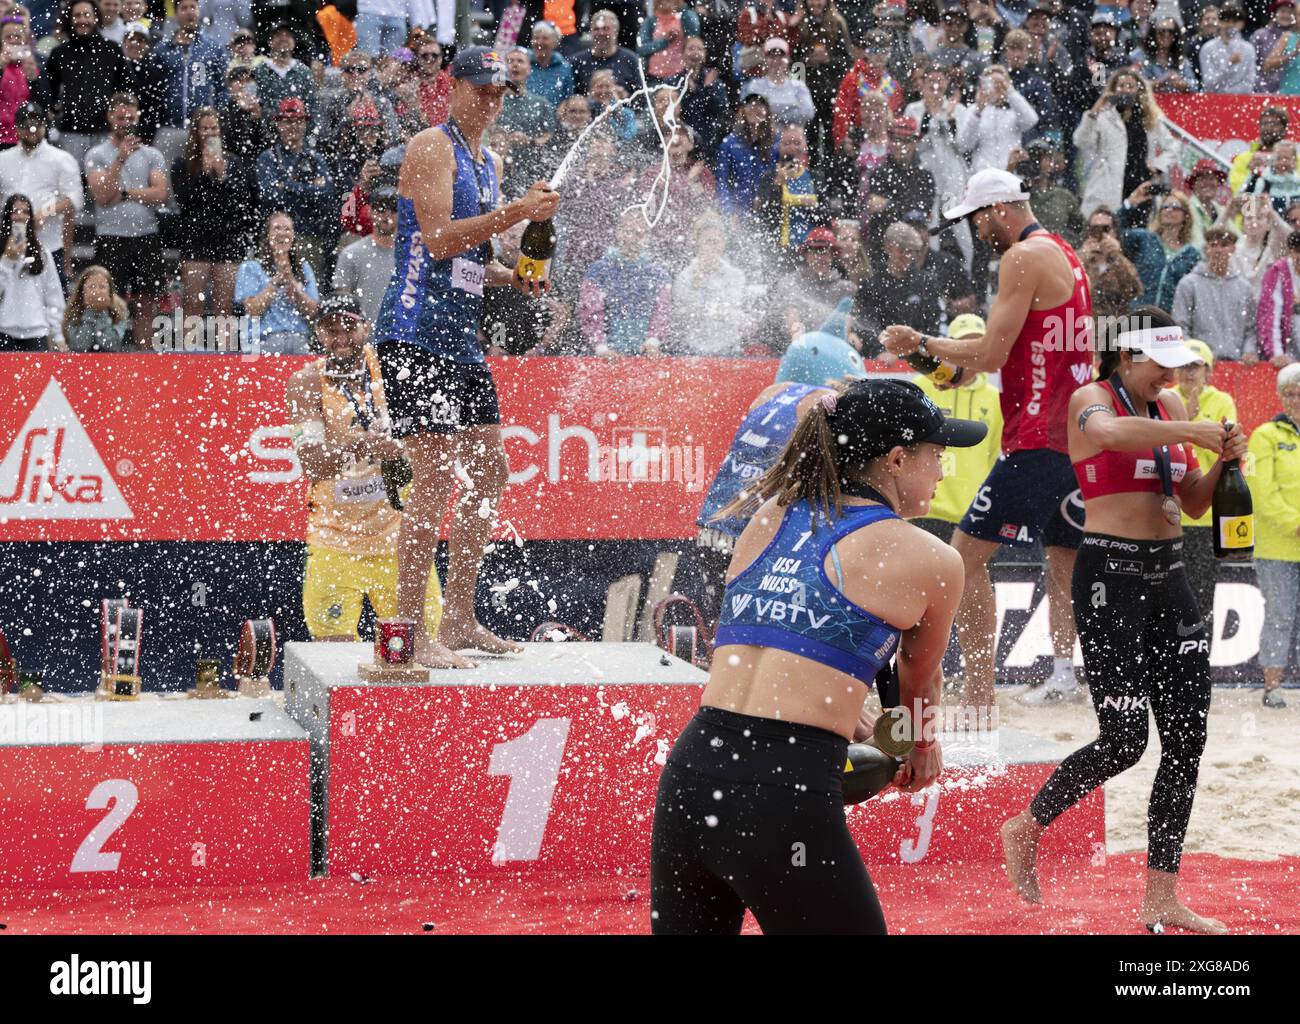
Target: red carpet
[(1257, 897)]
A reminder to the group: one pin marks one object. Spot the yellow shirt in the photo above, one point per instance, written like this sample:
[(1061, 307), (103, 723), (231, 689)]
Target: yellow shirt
[(1273, 473), (1215, 405), (964, 469)]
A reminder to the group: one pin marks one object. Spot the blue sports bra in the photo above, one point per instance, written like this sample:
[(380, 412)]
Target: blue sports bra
[(785, 600)]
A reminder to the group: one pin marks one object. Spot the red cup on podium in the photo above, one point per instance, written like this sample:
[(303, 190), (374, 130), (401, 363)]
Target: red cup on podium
[(394, 654)]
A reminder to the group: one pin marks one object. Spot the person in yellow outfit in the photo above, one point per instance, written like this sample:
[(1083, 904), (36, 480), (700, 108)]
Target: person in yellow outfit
[(964, 469), (341, 432), (1204, 403), (1275, 488)]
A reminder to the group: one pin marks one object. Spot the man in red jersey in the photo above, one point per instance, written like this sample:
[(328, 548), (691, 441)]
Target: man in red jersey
[(1039, 337)]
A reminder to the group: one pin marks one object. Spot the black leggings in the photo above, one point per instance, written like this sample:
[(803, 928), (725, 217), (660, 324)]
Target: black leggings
[(1145, 645), (750, 813)]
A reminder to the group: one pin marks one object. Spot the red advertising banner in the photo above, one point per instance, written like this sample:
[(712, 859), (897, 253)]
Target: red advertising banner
[(1219, 118), (149, 447)]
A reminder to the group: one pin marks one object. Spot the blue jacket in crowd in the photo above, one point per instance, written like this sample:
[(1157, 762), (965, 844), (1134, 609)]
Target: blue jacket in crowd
[(554, 84), (1159, 273), (740, 171), (290, 182), (196, 77)]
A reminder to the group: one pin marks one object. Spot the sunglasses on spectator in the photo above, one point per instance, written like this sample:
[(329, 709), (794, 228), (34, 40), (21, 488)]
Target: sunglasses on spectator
[(1097, 230), (1174, 206), (239, 40), (356, 69)]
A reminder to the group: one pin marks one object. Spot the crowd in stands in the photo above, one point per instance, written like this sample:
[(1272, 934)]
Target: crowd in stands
[(234, 159)]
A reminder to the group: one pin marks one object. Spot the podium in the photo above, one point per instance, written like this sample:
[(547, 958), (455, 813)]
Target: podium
[(160, 791)]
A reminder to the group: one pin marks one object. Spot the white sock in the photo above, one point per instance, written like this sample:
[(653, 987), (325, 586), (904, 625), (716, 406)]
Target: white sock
[(1063, 670)]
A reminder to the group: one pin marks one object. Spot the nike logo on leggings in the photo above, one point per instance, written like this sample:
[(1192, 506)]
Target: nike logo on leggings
[(1188, 630)]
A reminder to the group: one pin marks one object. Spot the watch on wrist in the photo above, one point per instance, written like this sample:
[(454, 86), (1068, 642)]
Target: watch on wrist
[(123, 196), (924, 348)]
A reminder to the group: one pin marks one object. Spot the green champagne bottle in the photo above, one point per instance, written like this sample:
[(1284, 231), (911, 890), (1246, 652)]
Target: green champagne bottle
[(1234, 515), (536, 250)]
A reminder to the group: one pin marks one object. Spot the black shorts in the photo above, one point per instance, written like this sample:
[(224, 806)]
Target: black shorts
[(428, 394), (135, 263), (1028, 496)]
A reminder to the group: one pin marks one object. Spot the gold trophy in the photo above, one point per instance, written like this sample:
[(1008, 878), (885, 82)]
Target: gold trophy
[(107, 634), (207, 680), (394, 655), (255, 658), (123, 683)]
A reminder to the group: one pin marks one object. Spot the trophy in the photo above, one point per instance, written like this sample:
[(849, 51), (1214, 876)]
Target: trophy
[(255, 658), (394, 655), (107, 633), (207, 680), (8, 668), (30, 686), (123, 682)]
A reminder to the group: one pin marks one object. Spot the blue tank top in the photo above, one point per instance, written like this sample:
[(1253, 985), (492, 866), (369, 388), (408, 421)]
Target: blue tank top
[(785, 600), (432, 303), (754, 450)]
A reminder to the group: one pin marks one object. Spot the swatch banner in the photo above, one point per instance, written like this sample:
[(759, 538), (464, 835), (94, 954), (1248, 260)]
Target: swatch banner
[(149, 447)]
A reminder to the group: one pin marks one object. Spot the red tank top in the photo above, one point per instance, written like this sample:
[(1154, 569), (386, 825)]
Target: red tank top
[(1050, 360), (1129, 472)]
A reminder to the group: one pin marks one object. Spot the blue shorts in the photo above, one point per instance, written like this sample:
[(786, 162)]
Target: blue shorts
[(1028, 496)]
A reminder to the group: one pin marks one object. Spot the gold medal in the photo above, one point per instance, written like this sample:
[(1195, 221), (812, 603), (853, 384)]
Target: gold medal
[(1173, 512), (894, 732)]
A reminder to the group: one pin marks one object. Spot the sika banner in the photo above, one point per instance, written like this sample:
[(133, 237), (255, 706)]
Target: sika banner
[(196, 448)]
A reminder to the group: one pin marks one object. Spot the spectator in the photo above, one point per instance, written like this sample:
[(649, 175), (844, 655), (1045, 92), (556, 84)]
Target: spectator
[(243, 50), (902, 293), (758, 22), (334, 114), (1207, 28), (529, 121), (1163, 253), (1083, 86), (790, 100), (282, 77), (354, 165), (50, 177), (599, 183), (1228, 61), (988, 27), (1025, 78), (96, 318), (1137, 30), (216, 194), (704, 106), (366, 266), (625, 304), (805, 296), (691, 193), (1275, 488), (1279, 179), (661, 39), (1273, 123), (277, 289), (16, 80), (997, 124), (572, 116), (243, 127), (433, 81), (1205, 404), (1206, 182), (1269, 63), (606, 55), (381, 24), (898, 186), (195, 67), (1278, 316), (787, 198), (710, 298), (942, 261), (112, 27), (746, 156), (226, 19), (1042, 165), (867, 75), (80, 76), (145, 78), (31, 297), (954, 50), (1165, 66), (603, 94), (1121, 142), (552, 77), (293, 177), (128, 181), (850, 258), (1284, 61), (1052, 40), (821, 46), (1263, 237), (1214, 303), (1112, 277), (939, 113), (718, 26)]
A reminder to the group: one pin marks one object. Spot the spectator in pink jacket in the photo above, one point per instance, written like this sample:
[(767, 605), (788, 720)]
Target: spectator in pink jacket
[(1276, 319), (19, 72), (625, 304)]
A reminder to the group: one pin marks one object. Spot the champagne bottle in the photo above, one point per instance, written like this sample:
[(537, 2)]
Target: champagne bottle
[(1234, 515), (867, 771), (536, 249), (935, 368)]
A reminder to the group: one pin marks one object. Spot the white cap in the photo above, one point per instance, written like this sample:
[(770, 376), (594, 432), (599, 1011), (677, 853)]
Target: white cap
[(1163, 344), (135, 28), (986, 188)]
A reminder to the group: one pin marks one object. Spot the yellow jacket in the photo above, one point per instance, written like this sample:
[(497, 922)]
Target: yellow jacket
[(964, 469), (1215, 405), (1274, 476)]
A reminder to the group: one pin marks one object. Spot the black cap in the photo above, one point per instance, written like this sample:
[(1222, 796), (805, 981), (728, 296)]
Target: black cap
[(339, 304), (874, 415), (283, 26), (28, 111), (481, 65), (756, 97)]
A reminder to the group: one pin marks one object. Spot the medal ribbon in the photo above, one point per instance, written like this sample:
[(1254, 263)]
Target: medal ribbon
[(1164, 462)]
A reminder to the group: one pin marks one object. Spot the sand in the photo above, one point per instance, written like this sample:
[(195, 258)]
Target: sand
[(1248, 801)]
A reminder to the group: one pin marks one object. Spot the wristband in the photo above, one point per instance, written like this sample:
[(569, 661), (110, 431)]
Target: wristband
[(924, 348)]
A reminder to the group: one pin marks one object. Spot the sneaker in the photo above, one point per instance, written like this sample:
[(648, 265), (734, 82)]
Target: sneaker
[(1273, 698), (1056, 690)]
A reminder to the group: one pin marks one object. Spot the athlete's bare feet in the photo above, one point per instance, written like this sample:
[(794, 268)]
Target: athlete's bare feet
[(1020, 851), (433, 654), (1161, 908), (473, 636)]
